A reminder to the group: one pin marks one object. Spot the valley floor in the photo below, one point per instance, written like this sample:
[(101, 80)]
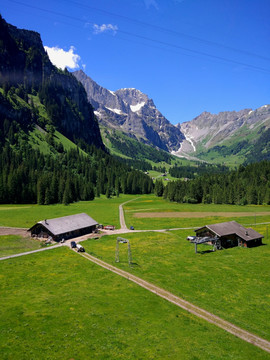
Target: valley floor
[(163, 261)]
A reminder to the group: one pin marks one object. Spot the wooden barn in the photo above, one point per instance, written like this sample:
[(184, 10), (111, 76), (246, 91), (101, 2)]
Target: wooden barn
[(231, 234), (66, 227)]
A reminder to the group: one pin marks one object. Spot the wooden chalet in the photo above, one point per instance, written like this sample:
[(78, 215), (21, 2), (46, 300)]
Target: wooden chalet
[(66, 227), (231, 234)]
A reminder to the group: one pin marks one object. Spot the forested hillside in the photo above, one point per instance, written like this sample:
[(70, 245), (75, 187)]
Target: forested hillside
[(37, 97), (26, 68), (246, 185)]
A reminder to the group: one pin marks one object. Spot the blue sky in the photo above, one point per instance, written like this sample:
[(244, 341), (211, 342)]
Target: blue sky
[(189, 56)]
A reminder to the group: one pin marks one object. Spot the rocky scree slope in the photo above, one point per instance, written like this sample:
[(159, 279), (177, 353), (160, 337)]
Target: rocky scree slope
[(208, 131)]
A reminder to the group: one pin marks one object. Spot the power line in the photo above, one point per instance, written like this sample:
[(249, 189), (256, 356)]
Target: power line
[(160, 28), (150, 39)]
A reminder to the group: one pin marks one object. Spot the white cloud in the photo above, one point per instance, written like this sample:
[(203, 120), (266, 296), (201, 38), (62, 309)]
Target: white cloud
[(62, 59), (98, 29)]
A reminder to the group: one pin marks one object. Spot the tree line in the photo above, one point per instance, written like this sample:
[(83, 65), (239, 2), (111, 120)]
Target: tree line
[(28, 176), (248, 184)]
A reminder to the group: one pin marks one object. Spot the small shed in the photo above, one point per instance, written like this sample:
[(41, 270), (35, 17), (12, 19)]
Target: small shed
[(65, 227), (231, 234)]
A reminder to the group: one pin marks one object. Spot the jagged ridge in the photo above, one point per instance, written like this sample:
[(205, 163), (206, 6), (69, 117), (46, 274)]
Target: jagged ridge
[(132, 112)]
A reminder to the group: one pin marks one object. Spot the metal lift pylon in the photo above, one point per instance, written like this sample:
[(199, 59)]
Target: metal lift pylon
[(123, 241)]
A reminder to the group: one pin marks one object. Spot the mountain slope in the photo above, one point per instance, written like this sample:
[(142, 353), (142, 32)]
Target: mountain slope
[(132, 112), (24, 64), (228, 133)]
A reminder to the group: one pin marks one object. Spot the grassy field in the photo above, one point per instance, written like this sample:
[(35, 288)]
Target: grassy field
[(103, 210), (151, 204), (233, 283), (58, 305), (14, 244)]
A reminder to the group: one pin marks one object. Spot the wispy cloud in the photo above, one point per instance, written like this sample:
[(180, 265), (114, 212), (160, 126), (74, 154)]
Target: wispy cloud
[(98, 29), (62, 59), (149, 3)]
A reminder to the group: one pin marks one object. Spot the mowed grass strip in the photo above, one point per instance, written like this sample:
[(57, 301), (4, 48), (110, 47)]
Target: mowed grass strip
[(15, 244), (58, 305), (150, 212), (232, 284), (182, 214)]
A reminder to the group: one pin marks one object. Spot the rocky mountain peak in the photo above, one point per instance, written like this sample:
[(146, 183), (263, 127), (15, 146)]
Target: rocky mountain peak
[(132, 96), (131, 111)]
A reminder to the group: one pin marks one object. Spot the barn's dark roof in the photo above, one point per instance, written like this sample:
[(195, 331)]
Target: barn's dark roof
[(66, 224), (232, 227)]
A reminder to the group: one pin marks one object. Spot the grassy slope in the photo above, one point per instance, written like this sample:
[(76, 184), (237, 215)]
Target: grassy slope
[(244, 133), (37, 141), (61, 306), (37, 135), (141, 151)]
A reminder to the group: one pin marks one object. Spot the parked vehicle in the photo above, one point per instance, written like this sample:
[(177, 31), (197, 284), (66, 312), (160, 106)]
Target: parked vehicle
[(132, 228), (109, 227), (190, 238), (73, 244), (80, 248)]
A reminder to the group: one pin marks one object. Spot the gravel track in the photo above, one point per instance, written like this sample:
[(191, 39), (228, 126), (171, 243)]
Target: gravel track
[(203, 314)]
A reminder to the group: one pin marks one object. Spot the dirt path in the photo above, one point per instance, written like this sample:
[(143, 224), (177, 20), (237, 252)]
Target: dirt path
[(211, 318), (122, 216), (13, 231), (30, 252)]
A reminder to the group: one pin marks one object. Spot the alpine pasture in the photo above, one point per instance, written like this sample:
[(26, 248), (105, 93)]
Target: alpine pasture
[(58, 305)]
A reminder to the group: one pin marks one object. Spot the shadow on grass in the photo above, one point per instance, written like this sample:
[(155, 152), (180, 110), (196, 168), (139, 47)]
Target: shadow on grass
[(203, 252), (135, 264)]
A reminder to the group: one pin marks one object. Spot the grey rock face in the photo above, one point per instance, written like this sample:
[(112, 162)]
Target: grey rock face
[(208, 130), (132, 112)]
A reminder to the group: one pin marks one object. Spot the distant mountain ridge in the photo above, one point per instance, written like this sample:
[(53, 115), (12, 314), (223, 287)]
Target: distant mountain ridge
[(239, 132), (132, 112)]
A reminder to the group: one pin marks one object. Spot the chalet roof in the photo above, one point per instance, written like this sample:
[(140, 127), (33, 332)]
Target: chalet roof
[(232, 227), (65, 224)]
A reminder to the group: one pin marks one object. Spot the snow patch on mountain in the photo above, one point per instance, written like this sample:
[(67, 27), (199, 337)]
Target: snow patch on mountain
[(117, 111), (189, 139), (97, 113), (137, 107)]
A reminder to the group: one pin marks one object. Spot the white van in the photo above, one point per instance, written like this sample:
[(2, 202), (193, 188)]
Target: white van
[(80, 248)]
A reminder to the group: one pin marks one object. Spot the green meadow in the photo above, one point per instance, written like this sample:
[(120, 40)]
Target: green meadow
[(152, 204), (103, 210), (58, 305), (232, 283), (14, 244)]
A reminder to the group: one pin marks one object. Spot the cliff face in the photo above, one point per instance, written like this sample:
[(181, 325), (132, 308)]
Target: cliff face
[(24, 62), (132, 112)]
